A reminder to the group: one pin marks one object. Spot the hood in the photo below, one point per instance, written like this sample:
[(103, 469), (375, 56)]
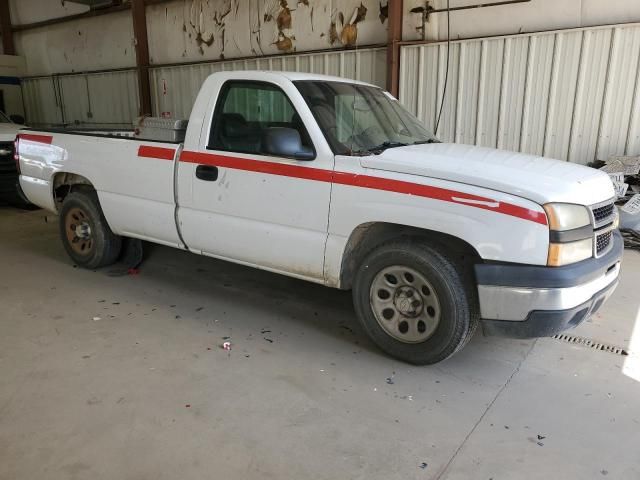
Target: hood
[(535, 178), (8, 131)]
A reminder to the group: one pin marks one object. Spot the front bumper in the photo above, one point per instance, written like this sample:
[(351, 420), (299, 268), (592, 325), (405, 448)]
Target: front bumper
[(525, 301)]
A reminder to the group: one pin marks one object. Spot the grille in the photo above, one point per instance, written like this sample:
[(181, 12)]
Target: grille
[(602, 213), (602, 242)]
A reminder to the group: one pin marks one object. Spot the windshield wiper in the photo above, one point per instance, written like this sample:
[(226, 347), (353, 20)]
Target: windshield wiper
[(422, 142), (378, 149)]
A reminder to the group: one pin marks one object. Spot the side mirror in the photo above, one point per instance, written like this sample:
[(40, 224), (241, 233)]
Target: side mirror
[(18, 119), (285, 142)]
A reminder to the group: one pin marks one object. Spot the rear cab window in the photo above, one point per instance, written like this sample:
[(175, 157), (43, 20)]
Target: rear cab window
[(245, 109)]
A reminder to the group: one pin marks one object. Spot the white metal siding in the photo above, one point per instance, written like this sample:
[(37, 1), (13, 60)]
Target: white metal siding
[(570, 94), (106, 100), (174, 89), (41, 105), (110, 100)]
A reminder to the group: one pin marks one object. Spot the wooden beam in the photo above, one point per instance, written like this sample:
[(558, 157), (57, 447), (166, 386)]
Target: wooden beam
[(394, 37), (138, 13), (5, 25)]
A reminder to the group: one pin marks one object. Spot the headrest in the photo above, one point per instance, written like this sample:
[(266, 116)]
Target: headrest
[(233, 125)]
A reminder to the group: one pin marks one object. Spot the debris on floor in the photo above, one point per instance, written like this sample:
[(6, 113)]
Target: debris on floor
[(226, 345), (424, 465), (625, 175), (390, 379), (631, 238)]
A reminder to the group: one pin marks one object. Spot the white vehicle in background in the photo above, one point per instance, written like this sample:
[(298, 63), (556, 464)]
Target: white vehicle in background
[(334, 182), (9, 187)]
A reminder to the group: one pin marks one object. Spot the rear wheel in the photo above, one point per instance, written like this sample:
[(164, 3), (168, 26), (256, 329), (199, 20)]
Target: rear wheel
[(85, 233), (414, 302)]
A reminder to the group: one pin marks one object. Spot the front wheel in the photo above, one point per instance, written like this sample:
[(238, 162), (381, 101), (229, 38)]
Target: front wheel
[(85, 232), (414, 302)]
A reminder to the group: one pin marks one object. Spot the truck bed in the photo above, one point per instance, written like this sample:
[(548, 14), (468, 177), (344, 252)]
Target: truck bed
[(133, 177)]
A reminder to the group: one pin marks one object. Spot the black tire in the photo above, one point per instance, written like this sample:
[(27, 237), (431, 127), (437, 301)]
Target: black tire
[(457, 302), (102, 245)]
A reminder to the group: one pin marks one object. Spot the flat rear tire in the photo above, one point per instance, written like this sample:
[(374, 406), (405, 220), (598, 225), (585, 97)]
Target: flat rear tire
[(85, 233)]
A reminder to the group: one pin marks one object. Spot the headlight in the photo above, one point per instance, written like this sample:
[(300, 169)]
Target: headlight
[(565, 248), (572, 252), (567, 216)]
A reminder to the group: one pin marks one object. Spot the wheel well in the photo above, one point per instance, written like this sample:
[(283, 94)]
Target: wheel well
[(365, 238), (64, 183)]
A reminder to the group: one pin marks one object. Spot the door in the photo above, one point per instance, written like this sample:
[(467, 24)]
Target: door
[(248, 206)]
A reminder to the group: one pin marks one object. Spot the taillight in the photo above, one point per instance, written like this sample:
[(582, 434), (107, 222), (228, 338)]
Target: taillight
[(16, 155)]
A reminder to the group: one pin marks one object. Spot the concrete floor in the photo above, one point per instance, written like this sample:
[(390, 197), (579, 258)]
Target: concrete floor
[(123, 377)]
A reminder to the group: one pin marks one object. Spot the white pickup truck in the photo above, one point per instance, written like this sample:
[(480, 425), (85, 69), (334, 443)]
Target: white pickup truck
[(333, 181)]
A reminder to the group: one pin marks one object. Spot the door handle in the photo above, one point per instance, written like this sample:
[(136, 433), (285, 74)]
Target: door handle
[(207, 173)]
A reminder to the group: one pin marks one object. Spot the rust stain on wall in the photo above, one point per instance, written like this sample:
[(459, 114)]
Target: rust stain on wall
[(284, 17), (384, 12), (235, 28), (349, 34), (205, 29)]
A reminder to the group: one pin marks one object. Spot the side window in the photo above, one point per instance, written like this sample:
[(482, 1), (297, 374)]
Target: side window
[(245, 110)]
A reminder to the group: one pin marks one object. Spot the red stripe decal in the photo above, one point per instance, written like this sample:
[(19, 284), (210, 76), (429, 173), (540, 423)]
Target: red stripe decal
[(364, 181), (36, 138), (160, 153), (271, 168)]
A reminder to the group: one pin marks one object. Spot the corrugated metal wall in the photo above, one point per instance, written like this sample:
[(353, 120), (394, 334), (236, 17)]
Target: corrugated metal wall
[(174, 89), (96, 100), (110, 100), (571, 94)]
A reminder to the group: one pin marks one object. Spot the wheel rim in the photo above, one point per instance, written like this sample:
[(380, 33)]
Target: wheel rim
[(78, 230), (405, 304)]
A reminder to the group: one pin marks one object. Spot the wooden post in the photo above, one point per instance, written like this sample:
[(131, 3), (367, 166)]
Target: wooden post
[(139, 16), (5, 24), (394, 36)]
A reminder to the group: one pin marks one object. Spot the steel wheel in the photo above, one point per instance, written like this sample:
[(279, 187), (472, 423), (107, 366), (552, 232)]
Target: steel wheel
[(78, 231), (405, 304)]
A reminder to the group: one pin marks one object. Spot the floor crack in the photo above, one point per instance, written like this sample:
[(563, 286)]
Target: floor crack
[(484, 414)]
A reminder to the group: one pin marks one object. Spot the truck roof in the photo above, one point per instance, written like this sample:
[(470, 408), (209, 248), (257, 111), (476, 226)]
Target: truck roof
[(293, 76)]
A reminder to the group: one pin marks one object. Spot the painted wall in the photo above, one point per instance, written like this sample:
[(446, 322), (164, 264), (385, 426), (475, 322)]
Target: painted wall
[(196, 30), (218, 29), (537, 15), (31, 11), (95, 43)]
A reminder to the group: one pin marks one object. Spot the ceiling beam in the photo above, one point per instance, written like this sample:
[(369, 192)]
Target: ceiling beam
[(8, 46), (394, 37)]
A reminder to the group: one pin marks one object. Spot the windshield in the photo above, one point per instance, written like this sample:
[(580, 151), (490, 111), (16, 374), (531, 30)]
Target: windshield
[(361, 120)]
